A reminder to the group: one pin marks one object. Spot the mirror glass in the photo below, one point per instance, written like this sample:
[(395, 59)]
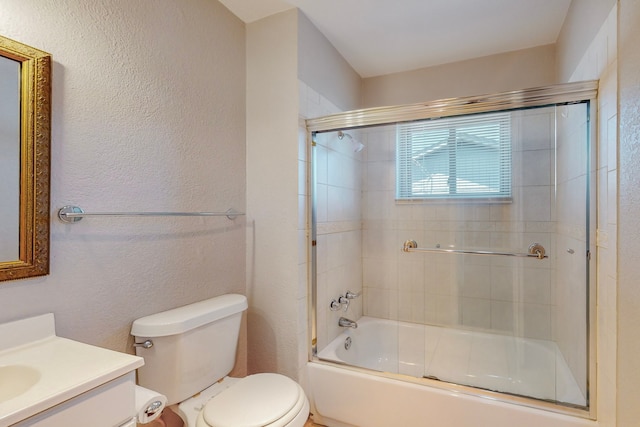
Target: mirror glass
[(9, 159), (25, 134)]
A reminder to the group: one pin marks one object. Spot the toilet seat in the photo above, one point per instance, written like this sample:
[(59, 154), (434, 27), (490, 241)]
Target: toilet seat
[(258, 400)]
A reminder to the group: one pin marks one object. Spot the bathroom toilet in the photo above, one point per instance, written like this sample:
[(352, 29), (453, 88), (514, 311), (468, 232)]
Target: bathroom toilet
[(188, 353)]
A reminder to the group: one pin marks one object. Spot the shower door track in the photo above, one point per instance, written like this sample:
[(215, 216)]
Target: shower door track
[(567, 93)]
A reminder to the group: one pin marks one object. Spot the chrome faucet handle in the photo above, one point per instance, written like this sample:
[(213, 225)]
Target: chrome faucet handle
[(334, 305), (344, 301), (352, 295)]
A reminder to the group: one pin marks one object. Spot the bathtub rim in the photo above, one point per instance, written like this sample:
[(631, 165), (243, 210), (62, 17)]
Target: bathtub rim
[(580, 418), (455, 388)]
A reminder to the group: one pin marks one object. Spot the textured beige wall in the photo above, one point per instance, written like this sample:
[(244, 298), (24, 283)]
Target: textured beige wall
[(280, 50), (148, 114), (272, 193), (628, 213), (490, 74), (322, 67), (582, 23)]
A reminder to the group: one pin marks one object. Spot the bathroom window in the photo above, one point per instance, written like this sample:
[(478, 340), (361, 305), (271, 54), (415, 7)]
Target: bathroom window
[(465, 157)]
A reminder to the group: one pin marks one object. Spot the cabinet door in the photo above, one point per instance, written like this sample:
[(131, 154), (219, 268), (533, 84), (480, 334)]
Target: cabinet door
[(109, 405)]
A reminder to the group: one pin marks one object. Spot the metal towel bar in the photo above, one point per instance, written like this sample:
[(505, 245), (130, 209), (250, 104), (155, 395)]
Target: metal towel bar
[(71, 214), (536, 250)]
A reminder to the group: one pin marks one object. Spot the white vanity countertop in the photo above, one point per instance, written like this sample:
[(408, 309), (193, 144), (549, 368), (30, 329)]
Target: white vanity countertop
[(66, 368)]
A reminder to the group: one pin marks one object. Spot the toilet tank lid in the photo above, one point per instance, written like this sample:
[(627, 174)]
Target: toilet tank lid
[(183, 319)]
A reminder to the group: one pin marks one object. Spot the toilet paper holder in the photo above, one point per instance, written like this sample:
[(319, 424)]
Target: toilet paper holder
[(153, 408)]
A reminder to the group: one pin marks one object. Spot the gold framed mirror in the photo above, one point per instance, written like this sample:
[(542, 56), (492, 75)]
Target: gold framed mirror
[(25, 142)]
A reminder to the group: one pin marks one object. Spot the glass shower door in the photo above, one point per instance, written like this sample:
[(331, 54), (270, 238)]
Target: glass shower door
[(467, 242)]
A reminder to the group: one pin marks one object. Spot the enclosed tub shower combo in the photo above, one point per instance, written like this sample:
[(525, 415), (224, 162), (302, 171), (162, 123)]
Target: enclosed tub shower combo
[(452, 251)]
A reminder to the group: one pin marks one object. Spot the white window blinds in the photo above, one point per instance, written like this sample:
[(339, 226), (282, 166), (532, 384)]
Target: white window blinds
[(454, 158)]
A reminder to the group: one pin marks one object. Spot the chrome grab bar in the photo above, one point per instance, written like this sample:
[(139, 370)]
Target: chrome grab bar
[(71, 214), (536, 250)]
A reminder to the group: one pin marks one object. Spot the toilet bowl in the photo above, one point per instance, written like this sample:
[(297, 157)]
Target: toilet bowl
[(191, 351), (257, 400)]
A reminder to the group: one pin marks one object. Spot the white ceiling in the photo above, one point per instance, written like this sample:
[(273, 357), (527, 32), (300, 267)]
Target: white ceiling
[(386, 36)]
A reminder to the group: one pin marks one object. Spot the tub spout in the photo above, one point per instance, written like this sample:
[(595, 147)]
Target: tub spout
[(346, 323)]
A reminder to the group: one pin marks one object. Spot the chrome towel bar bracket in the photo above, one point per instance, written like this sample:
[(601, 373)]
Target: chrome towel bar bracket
[(536, 250), (72, 214)]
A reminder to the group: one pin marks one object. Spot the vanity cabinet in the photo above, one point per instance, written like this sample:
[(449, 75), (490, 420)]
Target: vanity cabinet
[(109, 405), (51, 381)]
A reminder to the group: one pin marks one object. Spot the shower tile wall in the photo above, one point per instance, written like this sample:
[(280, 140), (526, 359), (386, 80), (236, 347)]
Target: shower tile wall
[(339, 231), (361, 229), (598, 62), (487, 293), (338, 218)]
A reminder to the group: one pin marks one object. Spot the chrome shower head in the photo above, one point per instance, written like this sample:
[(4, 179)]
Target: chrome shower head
[(356, 145)]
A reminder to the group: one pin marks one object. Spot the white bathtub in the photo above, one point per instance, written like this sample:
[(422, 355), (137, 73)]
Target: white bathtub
[(343, 396)]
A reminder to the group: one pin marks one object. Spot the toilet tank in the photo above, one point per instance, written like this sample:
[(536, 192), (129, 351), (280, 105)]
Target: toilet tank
[(193, 346)]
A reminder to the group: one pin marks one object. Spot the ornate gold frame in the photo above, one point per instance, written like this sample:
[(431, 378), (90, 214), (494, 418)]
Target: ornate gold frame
[(35, 161)]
